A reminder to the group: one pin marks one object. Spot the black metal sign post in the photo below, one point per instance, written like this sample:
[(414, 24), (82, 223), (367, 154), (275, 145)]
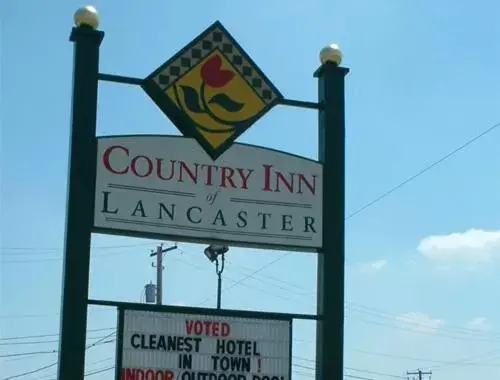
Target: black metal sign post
[(330, 286), (80, 198), (82, 175)]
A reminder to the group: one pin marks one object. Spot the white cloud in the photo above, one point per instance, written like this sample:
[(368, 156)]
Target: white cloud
[(473, 245), (419, 322), (479, 323), (372, 266)]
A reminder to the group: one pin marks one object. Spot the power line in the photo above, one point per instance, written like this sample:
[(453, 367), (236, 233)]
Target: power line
[(11, 316), (431, 332), (346, 375), (54, 351), (60, 258), (358, 377), (424, 170), (465, 334), (374, 373), (51, 377), (490, 355), (28, 353), (49, 335), (251, 275), (60, 248), (382, 354), (238, 282), (52, 254), (95, 372), (32, 342), (313, 362), (100, 341), (30, 372), (384, 314)]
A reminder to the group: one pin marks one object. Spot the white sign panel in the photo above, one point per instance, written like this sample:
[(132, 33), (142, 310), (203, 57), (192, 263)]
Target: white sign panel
[(172, 346), (167, 185)]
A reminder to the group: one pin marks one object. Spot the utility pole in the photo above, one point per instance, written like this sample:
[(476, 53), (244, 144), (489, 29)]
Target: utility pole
[(159, 269), (418, 372)]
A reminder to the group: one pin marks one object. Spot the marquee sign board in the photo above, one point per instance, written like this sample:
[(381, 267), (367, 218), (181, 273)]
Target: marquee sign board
[(177, 346), (212, 90), (168, 187)]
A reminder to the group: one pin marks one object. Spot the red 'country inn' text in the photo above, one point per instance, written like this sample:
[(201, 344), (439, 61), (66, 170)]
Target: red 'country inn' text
[(118, 160)]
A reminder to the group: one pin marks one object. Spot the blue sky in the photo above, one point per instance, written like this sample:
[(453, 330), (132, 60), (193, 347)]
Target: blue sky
[(422, 264)]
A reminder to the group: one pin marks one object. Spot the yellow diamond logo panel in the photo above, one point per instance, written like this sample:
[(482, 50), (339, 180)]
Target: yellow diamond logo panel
[(211, 90)]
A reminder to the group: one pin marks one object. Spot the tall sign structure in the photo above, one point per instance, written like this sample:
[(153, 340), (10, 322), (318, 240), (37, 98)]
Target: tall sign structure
[(209, 189)]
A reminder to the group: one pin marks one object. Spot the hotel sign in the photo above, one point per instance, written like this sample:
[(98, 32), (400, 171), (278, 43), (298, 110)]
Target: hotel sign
[(175, 346), (169, 187)]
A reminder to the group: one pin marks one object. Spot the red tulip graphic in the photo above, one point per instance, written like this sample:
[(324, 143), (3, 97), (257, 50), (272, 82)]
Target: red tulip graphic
[(213, 75), (196, 100)]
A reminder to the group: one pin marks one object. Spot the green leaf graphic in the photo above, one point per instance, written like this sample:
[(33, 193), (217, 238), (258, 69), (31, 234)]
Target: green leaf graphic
[(191, 99), (226, 102)]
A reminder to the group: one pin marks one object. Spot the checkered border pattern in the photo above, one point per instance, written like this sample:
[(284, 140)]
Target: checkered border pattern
[(215, 39)]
